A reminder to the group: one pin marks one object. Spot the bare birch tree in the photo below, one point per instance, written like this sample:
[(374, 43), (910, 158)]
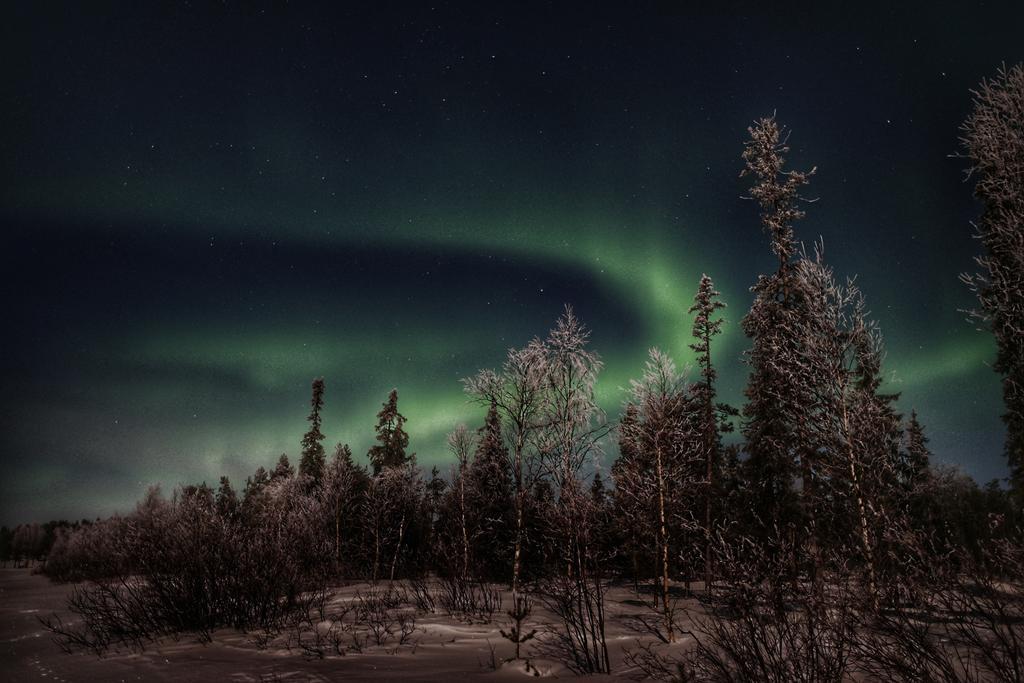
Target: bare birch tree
[(858, 431), (572, 421), (460, 442), (993, 139), (391, 503), (517, 394), (658, 437)]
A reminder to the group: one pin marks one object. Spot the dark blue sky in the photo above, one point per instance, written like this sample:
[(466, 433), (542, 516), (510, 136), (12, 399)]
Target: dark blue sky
[(205, 207)]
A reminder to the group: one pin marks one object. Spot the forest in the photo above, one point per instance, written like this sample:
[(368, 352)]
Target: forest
[(805, 535)]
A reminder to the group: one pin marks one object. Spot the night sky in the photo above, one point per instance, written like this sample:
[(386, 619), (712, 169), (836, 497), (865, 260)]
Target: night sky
[(205, 207)]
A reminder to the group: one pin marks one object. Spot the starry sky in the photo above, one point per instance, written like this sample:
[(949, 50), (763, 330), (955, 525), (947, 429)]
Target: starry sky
[(207, 205)]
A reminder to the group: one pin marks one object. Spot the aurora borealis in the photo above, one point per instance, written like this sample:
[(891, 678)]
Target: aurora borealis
[(204, 208)]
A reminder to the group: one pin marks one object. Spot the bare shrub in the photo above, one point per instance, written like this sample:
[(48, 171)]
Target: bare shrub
[(961, 624), (113, 613), (378, 613), (468, 599), (649, 663), (421, 595), (492, 660), (578, 640), (373, 618), (183, 567), (659, 623), (773, 638), (967, 625), (314, 630), (764, 626)]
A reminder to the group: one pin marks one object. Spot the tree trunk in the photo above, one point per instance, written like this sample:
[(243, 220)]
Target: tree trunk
[(711, 440), (707, 528), (664, 547), (520, 503), (812, 523), (337, 533), (462, 510), (376, 552), (398, 546), (865, 539)]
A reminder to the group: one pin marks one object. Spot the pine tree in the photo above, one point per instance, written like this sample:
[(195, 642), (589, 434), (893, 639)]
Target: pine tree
[(391, 438), (631, 510), (777, 428), (434, 492), (598, 493), (714, 417), (433, 511), (489, 492), (916, 459), (256, 482), (283, 469), (342, 491), (312, 462), (540, 532), (227, 500), (916, 479), (993, 138), (603, 523), (252, 497)]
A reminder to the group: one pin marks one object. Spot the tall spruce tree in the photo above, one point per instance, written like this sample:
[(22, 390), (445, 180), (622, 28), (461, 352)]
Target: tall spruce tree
[(916, 459), (603, 523), (993, 138), (489, 492), (434, 493), (776, 426), (283, 469), (433, 504), (918, 502), (227, 499), (598, 493), (342, 493), (392, 440), (714, 417), (312, 462), (631, 507)]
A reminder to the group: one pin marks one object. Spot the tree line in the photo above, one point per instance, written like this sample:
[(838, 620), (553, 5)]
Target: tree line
[(828, 502)]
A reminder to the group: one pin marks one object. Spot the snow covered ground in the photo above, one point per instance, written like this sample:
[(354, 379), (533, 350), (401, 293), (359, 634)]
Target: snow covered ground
[(445, 649)]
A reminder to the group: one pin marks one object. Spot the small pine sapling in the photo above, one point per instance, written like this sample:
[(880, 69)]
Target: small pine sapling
[(518, 614)]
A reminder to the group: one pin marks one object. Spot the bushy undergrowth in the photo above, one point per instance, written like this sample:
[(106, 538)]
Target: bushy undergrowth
[(468, 599), (962, 625), (320, 627), (184, 566)]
